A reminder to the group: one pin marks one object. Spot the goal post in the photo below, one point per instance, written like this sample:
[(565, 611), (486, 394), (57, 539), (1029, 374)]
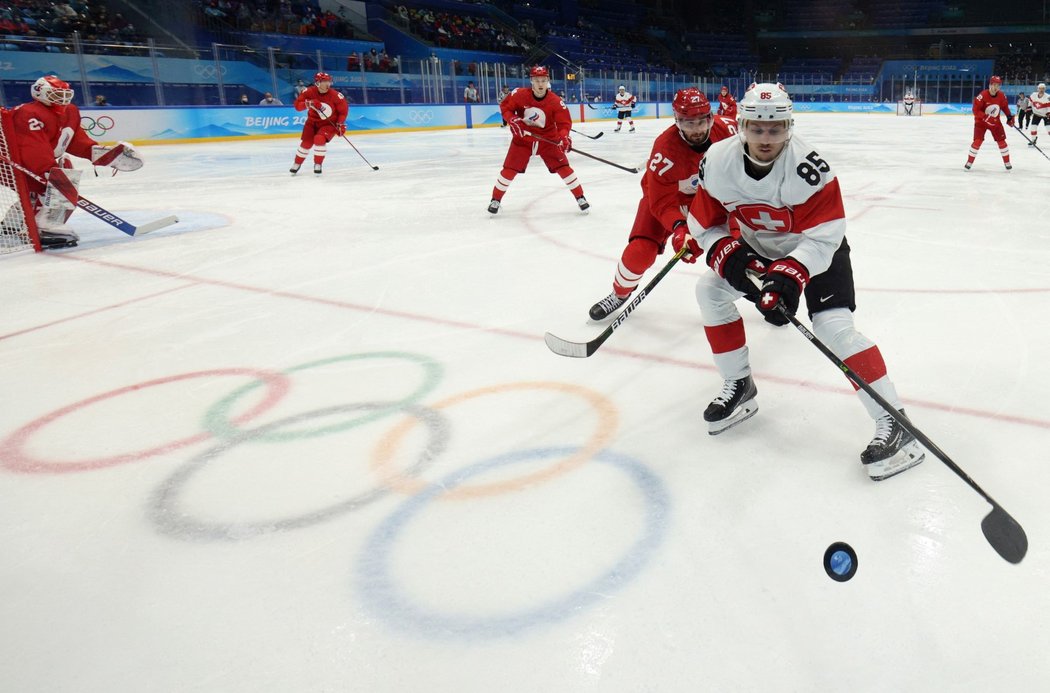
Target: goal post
[(17, 225)]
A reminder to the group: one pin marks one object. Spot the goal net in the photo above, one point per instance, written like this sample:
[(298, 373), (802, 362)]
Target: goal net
[(908, 107), (17, 225)]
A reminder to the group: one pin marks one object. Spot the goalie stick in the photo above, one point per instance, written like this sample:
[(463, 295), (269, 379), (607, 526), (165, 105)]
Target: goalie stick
[(322, 116), (583, 153), (65, 186), (1001, 530), (1031, 141), (582, 350), (587, 135)]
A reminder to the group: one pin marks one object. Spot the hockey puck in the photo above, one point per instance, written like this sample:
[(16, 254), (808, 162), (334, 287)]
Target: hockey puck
[(840, 562)]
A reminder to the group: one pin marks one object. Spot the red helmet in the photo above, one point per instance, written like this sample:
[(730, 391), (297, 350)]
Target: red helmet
[(51, 91), (996, 79), (322, 77), (690, 103), (725, 89), (539, 71)]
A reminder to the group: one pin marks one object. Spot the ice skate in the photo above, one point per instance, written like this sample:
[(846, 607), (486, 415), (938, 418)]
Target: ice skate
[(617, 129), (734, 404), (891, 451), (317, 169), (1032, 143), (493, 206), (583, 203), (605, 307), (632, 129), (967, 166), (294, 169), (1009, 167)]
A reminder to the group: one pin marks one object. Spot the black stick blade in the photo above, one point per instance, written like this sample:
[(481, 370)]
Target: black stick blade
[(1005, 535)]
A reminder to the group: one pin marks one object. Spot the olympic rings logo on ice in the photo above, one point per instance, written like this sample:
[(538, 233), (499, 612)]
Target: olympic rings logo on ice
[(209, 71), (96, 127), (424, 427), (421, 117)]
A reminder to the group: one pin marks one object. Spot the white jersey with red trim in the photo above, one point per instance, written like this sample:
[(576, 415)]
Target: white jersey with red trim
[(1040, 103), (796, 209), (625, 101)]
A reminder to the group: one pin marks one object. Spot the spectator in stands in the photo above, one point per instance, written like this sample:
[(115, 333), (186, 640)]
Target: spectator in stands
[(384, 61), (243, 100), (100, 101), (353, 62), (269, 99), (470, 93), (299, 87)]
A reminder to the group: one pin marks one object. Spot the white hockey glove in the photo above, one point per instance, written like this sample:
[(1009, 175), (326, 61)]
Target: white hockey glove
[(122, 157)]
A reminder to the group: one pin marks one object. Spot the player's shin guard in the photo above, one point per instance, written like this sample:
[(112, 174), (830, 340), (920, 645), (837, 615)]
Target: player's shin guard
[(723, 326), (638, 256), (973, 153), (320, 151), (1004, 151), (568, 176), (835, 328), (502, 183)]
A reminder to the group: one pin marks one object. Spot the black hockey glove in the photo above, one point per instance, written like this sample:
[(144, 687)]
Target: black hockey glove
[(784, 282), (731, 258)]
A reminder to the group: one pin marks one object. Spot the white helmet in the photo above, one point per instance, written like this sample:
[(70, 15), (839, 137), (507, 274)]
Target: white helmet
[(1041, 87), (51, 91), (621, 88), (765, 101)]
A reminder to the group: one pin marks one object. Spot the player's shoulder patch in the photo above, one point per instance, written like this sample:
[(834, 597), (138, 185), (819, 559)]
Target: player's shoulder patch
[(339, 94)]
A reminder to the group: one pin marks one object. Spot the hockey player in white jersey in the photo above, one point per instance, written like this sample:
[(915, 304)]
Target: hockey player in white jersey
[(1040, 111), (624, 103), (786, 199)]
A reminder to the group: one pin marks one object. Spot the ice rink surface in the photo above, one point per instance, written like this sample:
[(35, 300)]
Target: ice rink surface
[(311, 439)]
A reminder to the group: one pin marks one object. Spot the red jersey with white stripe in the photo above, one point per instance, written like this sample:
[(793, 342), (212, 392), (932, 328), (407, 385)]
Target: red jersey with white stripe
[(985, 99), (547, 116), (332, 105), (727, 106), (796, 209), (38, 129), (625, 101), (672, 174)]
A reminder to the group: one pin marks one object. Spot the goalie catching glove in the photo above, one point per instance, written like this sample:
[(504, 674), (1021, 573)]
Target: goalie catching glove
[(123, 156)]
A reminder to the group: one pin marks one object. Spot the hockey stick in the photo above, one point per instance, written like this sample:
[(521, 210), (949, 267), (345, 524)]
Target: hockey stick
[(329, 119), (1001, 530), (587, 135), (64, 186), (1031, 141), (580, 151), (582, 350)]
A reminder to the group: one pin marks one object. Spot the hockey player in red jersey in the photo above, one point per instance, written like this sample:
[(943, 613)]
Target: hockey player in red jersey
[(726, 103), (326, 111), (536, 111), (786, 198), (46, 130), (987, 107), (668, 187)]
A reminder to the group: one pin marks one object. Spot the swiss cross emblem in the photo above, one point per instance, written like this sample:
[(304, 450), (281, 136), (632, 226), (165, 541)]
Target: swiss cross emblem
[(766, 218)]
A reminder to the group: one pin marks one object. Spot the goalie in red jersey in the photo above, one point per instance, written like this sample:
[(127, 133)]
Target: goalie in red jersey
[(326, 111), (668, 187), (988, 106), (537, 111), (46, 130)]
